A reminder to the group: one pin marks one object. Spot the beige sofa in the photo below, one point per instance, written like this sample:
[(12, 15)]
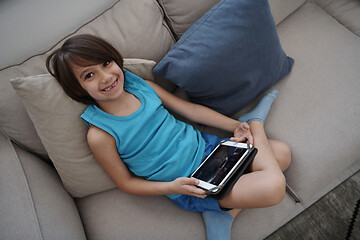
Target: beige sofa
[(316, 113)]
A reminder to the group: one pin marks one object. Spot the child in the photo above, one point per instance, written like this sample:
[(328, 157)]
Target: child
[(146, 151)]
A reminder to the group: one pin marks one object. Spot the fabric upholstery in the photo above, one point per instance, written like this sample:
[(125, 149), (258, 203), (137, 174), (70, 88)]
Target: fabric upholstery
[(17, 211), (317, 111), (32, 27), (137, 217), (228, 57), (51, 201), (281, 9), (147, 216), (181, 14), (32, 198)]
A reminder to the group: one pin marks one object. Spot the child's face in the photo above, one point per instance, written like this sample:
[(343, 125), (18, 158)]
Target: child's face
[(103, 82)]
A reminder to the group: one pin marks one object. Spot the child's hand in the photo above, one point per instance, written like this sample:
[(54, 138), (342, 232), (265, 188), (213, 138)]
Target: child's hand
[(186, 186), (243, 134)]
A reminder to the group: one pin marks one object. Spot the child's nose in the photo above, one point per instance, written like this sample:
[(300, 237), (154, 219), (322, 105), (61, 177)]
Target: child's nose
[(106, 80), (106, 77)]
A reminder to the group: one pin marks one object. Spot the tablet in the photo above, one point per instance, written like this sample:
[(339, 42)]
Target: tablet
[(220, 165)]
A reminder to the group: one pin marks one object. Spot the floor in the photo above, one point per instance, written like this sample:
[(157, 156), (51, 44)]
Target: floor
[(329, 218)]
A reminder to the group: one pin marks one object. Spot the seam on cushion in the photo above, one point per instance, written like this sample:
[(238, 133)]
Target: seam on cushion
[(66, 36), (24, 147), (293, 194), (293, 12), (164, 23), (12, 139), (173, 37), (3, 132), (203, 21), (169, 22), (28, 190), (336, 19)]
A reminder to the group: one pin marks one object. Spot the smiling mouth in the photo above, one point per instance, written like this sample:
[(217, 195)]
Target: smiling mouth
[(111, 86)]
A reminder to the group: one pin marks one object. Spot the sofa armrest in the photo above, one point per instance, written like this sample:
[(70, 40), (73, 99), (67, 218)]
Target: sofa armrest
[(33, 202)]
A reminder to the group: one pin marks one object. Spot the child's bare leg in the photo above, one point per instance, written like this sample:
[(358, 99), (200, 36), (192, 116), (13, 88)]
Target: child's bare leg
[(282, 153), (283, 156), (258, 188), (259, 113), (265, 185)]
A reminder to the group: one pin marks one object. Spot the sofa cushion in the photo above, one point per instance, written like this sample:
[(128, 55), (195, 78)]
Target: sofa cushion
[(137, 217), (32, 27), (228, 57), (57, 120), (33, 203), (317, 111), (181, 14), (14, 121), (347, 12), (149, 218), (124, 25), (18, 220)]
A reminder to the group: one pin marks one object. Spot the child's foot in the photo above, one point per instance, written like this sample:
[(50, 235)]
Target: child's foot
[(218, 225), (260, 112)]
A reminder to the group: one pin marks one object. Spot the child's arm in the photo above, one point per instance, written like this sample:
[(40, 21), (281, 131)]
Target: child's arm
[(103, 146), (204, 115)]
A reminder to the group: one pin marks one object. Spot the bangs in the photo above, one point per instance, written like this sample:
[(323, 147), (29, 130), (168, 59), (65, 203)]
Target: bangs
[(85, 50), (86, 59)]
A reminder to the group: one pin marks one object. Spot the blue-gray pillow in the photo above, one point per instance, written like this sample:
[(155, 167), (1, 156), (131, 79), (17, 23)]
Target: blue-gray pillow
[(228, 57)]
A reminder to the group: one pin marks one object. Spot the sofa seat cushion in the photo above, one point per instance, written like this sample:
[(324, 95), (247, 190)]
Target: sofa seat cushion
[(33, 202), (317, 111), (139, 217), (228, 57)]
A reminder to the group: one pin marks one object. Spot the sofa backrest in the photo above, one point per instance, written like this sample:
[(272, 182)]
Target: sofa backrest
[(181, 14), (33, 26)]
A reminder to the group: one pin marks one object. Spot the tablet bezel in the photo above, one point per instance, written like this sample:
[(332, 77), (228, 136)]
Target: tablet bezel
[(211, 188)]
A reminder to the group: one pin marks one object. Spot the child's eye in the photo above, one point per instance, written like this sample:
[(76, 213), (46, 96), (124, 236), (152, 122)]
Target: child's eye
[(106, 63), (89, 75)]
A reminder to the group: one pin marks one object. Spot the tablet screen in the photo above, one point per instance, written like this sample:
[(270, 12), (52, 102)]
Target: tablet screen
[(219, 164)]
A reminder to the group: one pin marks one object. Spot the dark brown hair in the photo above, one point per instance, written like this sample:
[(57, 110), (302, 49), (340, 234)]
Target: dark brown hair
[(81, 50)]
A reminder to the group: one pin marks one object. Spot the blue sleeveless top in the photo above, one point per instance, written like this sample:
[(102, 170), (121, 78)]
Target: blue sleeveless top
[(151, 142)]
